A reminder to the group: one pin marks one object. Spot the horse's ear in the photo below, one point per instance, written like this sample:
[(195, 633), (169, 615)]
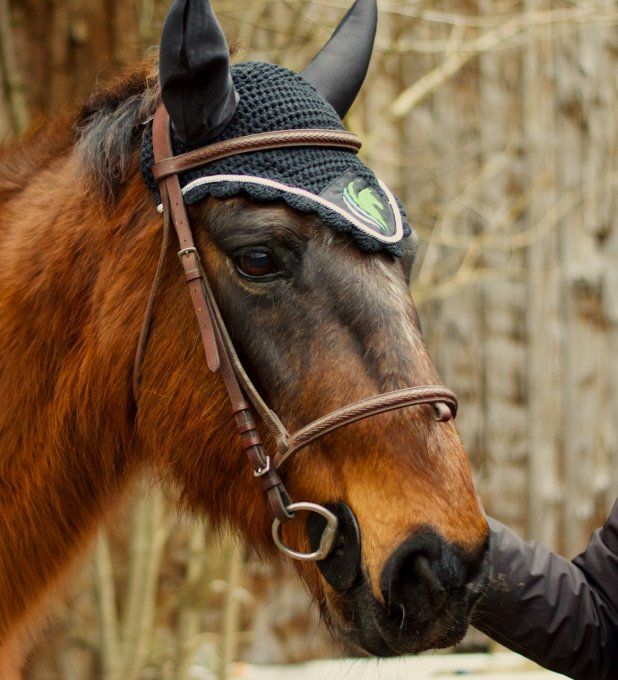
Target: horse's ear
[(339, 69), (194, 71)]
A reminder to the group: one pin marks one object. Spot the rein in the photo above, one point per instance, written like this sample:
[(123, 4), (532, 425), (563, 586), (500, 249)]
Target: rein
[(221, 356)]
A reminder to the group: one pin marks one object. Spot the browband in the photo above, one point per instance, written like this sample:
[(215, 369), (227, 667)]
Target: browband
[(264, 141)]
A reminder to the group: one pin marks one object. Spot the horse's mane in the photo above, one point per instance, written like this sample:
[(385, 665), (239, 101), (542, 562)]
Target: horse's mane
[(21, 158), (104, 132)]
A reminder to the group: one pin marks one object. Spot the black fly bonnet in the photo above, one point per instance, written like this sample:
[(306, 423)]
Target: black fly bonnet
[(259, 97)]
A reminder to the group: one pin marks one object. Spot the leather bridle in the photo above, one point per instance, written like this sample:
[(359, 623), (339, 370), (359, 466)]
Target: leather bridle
[(221, 356)]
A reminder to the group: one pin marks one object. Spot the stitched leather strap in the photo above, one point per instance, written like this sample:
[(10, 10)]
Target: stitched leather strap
[(263, 141), (410, 396)]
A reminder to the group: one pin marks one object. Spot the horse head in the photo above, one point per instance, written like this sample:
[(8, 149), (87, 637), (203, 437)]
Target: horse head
[(319, 311)]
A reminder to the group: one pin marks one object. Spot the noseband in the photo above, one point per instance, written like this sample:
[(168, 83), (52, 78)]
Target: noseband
[(221, 356)]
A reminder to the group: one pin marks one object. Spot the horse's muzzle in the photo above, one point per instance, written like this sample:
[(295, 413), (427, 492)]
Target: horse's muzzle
[(429, 587)]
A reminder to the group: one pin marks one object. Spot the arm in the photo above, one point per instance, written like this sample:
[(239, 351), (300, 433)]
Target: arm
[(561, 614)]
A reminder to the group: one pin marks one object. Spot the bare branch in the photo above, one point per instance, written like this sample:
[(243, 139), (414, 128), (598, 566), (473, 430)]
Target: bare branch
[(106, 602)]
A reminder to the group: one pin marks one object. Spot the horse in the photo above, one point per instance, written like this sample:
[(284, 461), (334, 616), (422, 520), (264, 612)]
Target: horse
[(317, 322)]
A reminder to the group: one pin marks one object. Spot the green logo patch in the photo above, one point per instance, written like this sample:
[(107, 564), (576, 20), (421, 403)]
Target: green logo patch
[(367, 205)]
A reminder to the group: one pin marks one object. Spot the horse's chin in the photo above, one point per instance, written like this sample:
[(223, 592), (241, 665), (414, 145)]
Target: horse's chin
[(383, 644), (370, 627)]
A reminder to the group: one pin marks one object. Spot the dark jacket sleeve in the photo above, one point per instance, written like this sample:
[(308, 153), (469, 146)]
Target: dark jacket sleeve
[(561, 614)]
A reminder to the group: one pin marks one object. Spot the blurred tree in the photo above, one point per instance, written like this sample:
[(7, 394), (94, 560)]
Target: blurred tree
[(63, 47)]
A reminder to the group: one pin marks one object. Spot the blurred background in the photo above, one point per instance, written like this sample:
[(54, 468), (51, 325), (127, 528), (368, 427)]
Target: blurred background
[(496, 122)]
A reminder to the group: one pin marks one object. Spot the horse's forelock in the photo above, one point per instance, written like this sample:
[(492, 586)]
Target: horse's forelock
[(109, 127)]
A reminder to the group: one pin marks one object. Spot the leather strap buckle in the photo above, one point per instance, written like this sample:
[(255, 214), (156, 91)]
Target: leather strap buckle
[(188, 251), (261, 471)]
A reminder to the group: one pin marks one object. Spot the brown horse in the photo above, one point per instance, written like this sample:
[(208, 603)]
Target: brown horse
[(79, 240)]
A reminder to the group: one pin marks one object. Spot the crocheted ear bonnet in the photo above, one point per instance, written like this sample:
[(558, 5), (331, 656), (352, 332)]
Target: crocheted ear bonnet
[(333, 183)]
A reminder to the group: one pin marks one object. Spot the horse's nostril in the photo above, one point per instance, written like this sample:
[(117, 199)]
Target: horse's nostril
[(414, 581), (427, 578), (424, 573)]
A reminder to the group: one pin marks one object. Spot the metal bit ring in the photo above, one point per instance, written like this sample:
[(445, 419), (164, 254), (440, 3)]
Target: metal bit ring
[(326, 541)]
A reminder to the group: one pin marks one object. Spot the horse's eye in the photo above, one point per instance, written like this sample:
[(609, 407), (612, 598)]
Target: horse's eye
[(257, 264)]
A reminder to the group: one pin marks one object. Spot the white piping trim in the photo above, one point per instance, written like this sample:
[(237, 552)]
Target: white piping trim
[(262, 181)]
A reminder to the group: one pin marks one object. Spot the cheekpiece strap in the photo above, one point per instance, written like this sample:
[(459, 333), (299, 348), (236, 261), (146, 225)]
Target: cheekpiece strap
[(220, 356)]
